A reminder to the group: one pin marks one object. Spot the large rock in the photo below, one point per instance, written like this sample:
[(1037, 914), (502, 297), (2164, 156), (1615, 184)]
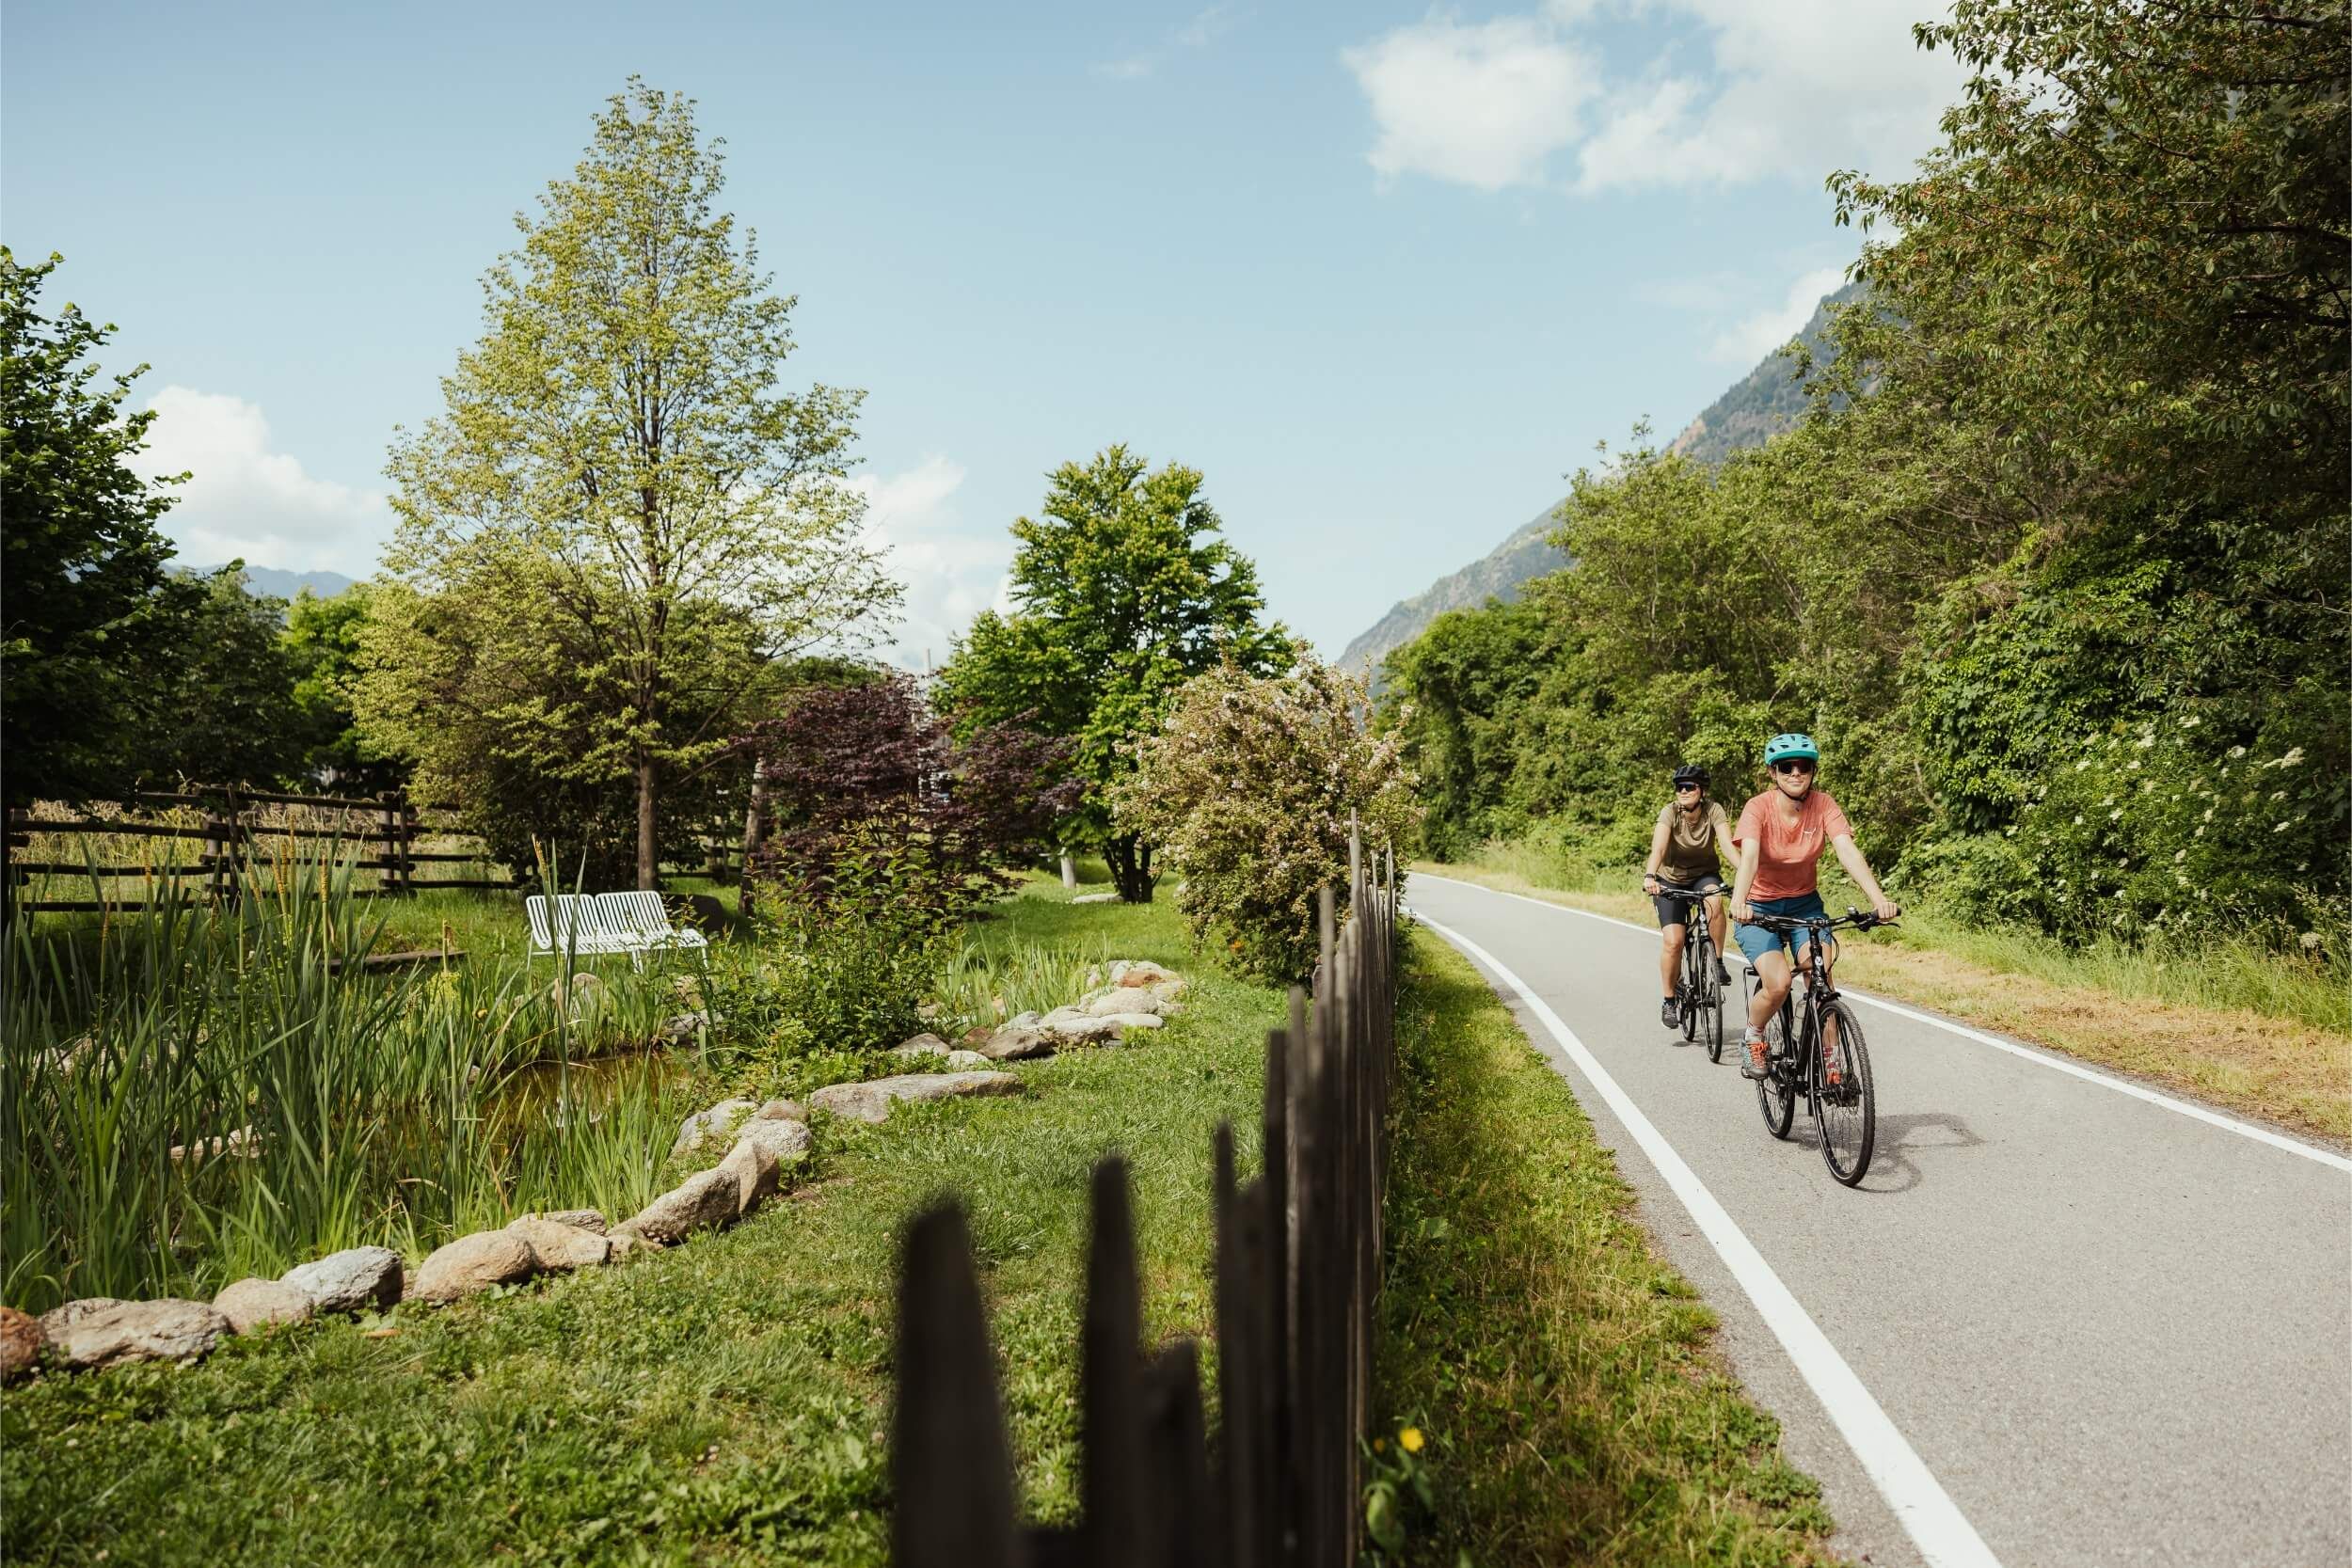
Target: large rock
[(349, 1281), (20, 1341), (1140, 972), (921, 1045), (698, 1203), (1073, 1024), (1135, 1020), (165, 1330), (1016, 1042), (472, 1264), (711, 1126), (789, 1141), (251, 1304), (583, 1219), (752, 1164), (1120, 1000), (966, 1061), (559, 1246), (54, 1322), (781, 1110), (873, 1101)]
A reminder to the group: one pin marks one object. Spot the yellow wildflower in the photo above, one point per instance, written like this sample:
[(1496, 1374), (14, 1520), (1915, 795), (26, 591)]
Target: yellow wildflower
[(1409, 1440)]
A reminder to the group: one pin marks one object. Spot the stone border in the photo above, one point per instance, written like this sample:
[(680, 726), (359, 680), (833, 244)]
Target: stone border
[(100, 1331)]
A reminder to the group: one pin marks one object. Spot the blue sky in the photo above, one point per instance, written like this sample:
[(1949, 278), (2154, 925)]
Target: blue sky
[(1384, 274)]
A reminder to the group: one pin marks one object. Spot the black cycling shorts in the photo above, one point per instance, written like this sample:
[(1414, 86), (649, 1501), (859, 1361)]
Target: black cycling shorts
[(1671, 911)]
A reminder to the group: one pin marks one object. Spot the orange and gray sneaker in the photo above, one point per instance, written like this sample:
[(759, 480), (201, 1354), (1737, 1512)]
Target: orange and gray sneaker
[(1752, 1065), (1830, 1075)]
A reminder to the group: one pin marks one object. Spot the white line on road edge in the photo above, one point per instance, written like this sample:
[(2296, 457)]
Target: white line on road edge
[(1944, 1535), (2024, 1052)]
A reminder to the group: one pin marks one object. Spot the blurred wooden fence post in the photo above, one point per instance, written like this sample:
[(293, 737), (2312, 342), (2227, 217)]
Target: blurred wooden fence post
[(1297, 1277)]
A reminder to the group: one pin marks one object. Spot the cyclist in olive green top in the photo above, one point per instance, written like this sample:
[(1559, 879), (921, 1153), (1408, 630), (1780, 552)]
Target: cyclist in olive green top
[(1682, 859)]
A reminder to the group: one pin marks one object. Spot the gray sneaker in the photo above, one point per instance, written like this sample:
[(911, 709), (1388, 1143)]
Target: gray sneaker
[(1670, 1013), (1751, 1052)]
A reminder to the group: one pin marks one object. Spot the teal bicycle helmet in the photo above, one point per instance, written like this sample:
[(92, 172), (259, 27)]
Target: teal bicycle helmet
[(1782, 747)]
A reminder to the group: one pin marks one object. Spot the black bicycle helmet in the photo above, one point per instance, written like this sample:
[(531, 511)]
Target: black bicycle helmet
[(1690, 772)]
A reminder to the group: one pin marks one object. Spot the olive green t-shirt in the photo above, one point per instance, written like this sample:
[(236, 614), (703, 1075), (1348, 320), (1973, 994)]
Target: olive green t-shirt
[(1691, 850)]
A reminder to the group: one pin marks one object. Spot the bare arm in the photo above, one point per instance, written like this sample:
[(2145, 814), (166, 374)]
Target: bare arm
[(1850, 856), (1723, 844), (1656, 857), (1750, 853)]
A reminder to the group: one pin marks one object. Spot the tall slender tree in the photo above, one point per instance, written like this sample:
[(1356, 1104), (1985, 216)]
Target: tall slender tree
[(1122, 591), (618, 438)]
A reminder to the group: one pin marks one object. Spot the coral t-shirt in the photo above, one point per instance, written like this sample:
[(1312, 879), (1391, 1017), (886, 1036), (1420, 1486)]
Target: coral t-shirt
[(1785, 865)]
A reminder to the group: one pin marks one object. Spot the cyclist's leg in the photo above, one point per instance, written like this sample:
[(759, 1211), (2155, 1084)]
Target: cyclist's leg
[(1829, 1018), (1715, 920), (1670, 927)]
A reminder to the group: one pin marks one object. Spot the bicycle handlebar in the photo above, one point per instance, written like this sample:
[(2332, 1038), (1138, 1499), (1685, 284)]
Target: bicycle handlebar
[(1860, 920)]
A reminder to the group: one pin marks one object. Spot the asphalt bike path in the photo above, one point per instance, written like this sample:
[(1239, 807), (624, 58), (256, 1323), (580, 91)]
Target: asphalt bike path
[(2061, 1321)]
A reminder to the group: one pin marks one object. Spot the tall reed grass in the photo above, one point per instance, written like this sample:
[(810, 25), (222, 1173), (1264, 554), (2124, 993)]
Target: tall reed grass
[(195, 1093)]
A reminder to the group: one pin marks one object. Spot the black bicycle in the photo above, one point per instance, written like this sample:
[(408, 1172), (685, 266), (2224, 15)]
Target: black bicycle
[(1831, 1067), (1698, 993)]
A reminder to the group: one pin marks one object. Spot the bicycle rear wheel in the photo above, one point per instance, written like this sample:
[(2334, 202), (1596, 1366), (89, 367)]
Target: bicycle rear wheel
[(1776, 1091), (1711, 1024), (1846, 1111)]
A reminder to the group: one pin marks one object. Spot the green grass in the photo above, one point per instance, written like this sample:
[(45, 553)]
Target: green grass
[(1561, 1374), (722, 1403)]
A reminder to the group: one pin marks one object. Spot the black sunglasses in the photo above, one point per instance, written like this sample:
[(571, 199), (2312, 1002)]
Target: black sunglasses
[(1680, 787), (1792, 765)]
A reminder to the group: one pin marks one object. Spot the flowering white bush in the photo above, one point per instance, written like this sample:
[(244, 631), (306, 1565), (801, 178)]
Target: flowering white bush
[(2153, 828), (1248, 786)]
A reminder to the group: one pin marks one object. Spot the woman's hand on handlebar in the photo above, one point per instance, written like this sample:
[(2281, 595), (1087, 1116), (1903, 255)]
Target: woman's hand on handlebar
[(1649, 883), (1885, 909), (1742, 914)]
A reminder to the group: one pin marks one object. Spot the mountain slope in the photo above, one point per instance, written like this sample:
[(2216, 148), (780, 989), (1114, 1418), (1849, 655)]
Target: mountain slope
[(278, 583), (1762, 403)]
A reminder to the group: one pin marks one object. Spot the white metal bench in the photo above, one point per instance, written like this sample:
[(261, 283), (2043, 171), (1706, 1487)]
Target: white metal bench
[(568, 924), (639, 923)]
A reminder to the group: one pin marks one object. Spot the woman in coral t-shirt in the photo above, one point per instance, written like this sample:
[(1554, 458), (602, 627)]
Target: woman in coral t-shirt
[(1780, 837)]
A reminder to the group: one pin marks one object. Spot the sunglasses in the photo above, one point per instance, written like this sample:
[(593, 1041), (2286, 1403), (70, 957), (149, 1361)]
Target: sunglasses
[(1692, 787), (1792, 767)]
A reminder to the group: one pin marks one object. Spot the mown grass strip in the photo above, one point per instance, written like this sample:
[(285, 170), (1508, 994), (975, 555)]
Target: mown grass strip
[(722, 1403), (1560, 1374)]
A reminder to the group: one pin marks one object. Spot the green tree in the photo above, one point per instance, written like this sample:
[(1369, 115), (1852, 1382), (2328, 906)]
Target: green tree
[(86, 615), (617, 442), (322, 638), (1121, 592), (228, 698)]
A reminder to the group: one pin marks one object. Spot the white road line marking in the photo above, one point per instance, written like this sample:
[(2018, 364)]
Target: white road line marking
[(1934, 1523), (2023, 1052)]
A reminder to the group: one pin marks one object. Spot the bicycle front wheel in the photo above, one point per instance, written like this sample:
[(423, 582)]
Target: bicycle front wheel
[(1844, 1102), (1776, 1091)]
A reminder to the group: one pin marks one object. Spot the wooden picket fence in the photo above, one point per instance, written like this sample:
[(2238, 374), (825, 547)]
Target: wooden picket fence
[(1298, 1273), (235, 830)]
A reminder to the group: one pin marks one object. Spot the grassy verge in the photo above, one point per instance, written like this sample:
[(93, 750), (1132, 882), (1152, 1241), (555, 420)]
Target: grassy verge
[(722, 1403), (1559, 1372), (2256, 1033)]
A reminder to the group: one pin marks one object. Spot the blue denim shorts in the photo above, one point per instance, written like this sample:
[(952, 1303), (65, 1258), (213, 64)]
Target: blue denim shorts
[(1755, 941)]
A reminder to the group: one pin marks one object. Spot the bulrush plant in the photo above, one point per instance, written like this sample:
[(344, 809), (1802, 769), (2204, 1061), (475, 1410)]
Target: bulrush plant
[(197, 1093), (980, 988)]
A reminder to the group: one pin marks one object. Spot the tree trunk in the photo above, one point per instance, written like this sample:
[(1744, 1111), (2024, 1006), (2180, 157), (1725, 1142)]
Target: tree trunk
[(1131, 867), (648, 850), (754, 832)]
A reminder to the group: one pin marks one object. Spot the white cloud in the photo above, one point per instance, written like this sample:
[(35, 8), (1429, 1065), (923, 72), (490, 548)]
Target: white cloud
[(1480, 104), (950, 576), (1783, 92), (1748, 340), (244, 500)]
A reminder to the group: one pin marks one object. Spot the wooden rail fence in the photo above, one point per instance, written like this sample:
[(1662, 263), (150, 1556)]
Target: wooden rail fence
[(384, 828), (1298, 1273)]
